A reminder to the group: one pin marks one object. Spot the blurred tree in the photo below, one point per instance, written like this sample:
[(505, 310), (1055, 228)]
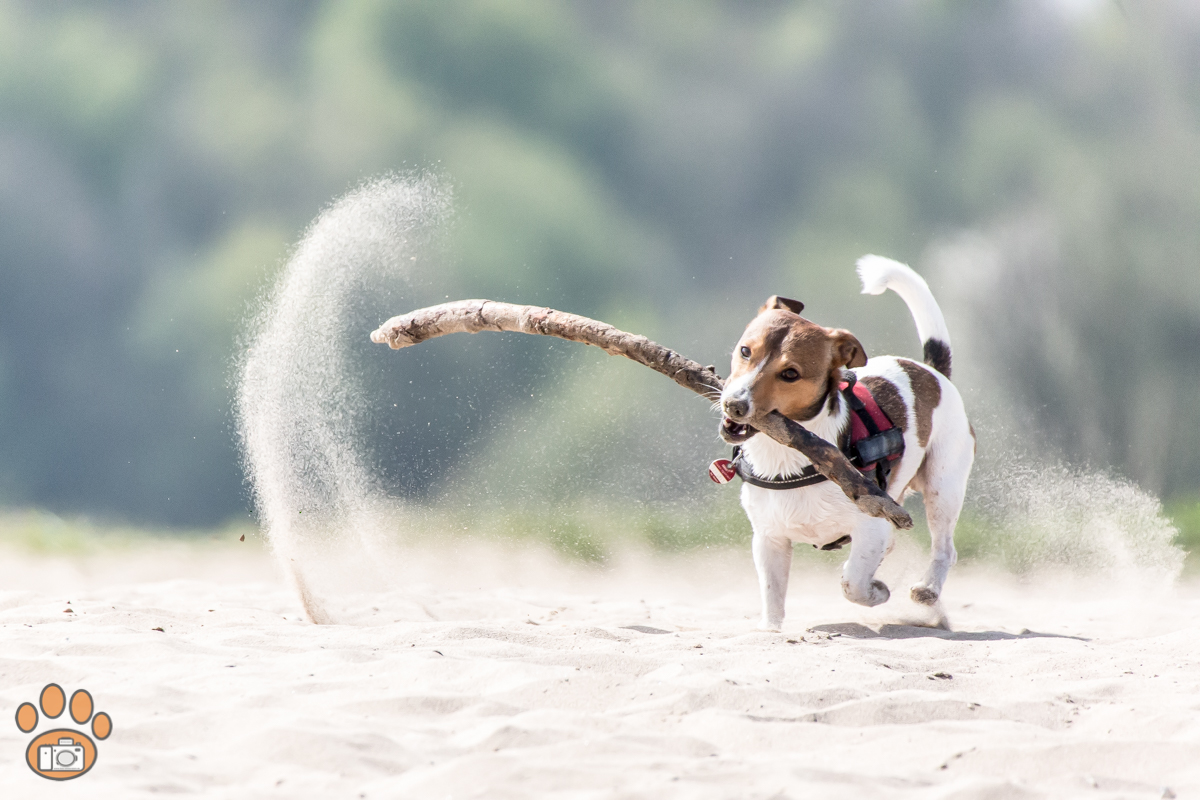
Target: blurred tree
[(665, 165)]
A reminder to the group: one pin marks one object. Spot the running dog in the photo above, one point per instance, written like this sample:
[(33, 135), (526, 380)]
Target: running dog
[(804, 371)]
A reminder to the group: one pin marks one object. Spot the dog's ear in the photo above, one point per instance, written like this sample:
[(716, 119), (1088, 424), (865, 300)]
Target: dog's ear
[(787, 304), (847, 349)]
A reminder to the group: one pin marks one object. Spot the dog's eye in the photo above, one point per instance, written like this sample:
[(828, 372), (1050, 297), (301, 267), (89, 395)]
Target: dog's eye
[(789, 375), (745, 351)]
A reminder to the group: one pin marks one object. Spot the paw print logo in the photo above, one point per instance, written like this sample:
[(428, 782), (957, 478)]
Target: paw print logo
[(63, 753)]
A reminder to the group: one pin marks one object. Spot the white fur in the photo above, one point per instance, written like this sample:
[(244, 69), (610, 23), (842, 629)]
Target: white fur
[(821, 513), (878, 274)]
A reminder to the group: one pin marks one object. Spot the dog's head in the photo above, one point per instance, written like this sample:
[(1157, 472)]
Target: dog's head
[(784, 363)]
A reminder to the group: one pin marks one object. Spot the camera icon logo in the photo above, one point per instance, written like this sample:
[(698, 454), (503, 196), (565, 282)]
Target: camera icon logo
[(66, 756), (63, 753)]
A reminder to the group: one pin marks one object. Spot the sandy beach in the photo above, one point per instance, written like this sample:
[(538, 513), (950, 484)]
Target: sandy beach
[(522, 676)]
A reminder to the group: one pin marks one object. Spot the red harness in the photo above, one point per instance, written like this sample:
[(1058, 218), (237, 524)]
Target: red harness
[(874, 441)]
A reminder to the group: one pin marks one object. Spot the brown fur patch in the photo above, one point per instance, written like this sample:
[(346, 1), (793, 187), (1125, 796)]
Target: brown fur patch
[(927, 393), (888, 397), (848, 350)]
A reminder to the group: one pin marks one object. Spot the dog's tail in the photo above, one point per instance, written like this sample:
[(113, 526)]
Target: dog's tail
[(879, 274)]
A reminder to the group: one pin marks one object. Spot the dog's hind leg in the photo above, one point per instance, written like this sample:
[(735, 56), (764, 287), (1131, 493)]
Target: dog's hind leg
[(870, 542), (773, 560), (941, 509), (942, 481)]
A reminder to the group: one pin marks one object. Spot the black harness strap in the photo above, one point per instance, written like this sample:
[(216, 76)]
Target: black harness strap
[(859, 407), (836, 544)]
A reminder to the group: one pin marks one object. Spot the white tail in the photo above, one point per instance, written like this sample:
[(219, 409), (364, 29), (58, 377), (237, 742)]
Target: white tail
[(879, 274)]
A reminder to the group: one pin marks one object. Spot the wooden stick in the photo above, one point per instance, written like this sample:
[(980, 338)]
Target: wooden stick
[(473, 316), (833, 464)]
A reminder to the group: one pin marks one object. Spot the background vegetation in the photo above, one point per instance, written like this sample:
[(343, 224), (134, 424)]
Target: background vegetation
[(662, 165)]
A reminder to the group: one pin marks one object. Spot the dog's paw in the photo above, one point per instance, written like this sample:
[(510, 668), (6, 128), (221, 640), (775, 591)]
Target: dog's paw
[(922, 594), (877, 594), (770, 627), (880, 593)]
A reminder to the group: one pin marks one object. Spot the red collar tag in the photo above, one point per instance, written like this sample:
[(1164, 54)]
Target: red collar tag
[(722, 471)]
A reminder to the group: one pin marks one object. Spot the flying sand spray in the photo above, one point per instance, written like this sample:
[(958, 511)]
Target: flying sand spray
[(302, 404)]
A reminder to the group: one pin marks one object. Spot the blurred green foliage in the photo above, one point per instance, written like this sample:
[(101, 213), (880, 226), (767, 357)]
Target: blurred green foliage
[(662, 165), (48, 534), (1185, 513), (595, 531)]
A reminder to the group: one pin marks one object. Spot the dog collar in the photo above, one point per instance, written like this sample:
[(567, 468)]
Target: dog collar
[(805, 477), (723, 470)]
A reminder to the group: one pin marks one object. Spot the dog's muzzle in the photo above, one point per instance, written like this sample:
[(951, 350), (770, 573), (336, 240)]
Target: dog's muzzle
[(731, 430), (735, 432), (736, 407), (735, 427)]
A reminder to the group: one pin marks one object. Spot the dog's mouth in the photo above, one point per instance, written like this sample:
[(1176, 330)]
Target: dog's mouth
[(735, 432)]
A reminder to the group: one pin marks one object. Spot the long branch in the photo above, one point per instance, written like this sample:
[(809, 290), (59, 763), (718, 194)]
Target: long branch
[(473, 316)]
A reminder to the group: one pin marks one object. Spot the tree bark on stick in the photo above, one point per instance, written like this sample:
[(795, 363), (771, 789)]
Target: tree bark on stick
[(473, 316)]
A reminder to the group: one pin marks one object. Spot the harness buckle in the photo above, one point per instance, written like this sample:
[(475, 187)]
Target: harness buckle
[(879, 446)]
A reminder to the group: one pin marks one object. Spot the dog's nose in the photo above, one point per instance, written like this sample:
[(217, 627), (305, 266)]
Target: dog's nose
[(737, 406)]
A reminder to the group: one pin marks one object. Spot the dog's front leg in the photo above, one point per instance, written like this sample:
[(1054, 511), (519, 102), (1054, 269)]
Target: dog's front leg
[(773, 560), (869, 544)]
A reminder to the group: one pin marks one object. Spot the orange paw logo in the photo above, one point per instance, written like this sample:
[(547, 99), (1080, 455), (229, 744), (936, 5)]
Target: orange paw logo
[(63, 753)]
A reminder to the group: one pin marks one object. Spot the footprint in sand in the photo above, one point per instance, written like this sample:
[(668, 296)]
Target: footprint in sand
[(63, 753)]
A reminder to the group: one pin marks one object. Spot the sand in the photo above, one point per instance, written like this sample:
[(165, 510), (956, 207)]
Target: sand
[(520, 676)]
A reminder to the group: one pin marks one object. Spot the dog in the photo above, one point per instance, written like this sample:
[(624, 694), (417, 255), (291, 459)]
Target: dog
[(785, 363)]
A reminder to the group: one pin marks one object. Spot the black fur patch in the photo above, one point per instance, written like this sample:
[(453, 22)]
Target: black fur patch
[(937, 355)]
